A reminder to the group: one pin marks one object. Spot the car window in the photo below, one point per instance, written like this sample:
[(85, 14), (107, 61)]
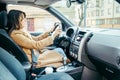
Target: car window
[(38, 20), (93, 13)]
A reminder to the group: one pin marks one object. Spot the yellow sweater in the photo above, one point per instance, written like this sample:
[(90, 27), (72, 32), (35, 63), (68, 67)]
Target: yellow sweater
[(27, 42)]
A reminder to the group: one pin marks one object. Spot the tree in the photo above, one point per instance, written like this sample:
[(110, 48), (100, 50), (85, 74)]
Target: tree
[(82, 13)]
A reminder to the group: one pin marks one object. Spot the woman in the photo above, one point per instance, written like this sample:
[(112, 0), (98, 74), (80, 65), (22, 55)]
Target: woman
[(37, 44)]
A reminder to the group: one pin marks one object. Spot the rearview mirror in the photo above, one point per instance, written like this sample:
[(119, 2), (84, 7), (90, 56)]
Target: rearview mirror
[(69, 2), (118, 1)]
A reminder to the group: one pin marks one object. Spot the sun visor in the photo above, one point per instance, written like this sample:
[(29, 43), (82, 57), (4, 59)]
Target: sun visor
[(17, 1), (45, 2)]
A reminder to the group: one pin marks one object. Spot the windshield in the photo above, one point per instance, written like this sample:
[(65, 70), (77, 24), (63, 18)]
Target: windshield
[(93, 13)]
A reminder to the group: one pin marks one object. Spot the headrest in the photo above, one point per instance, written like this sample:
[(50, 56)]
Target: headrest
[(3, 19)]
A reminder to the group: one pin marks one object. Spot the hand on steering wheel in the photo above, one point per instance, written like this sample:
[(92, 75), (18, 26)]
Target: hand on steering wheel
[(56, 32), (57, 24), (57, 29), (52, 29)]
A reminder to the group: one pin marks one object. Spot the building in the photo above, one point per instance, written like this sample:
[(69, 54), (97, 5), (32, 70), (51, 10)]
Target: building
[(103, 13)]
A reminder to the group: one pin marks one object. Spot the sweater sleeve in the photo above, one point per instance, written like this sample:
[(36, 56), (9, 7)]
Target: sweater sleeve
[(41, 36), (26, 42)]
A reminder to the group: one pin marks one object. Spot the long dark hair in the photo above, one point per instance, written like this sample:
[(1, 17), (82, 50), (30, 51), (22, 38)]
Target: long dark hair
[(14, 20)]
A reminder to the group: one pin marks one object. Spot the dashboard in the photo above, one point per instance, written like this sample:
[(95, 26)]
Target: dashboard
[(99, 48)]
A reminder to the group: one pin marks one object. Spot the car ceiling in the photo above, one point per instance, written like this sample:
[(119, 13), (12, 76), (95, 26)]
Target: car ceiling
[(41, 3)]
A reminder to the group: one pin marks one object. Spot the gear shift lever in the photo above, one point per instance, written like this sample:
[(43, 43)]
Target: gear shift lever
[(64, 67)]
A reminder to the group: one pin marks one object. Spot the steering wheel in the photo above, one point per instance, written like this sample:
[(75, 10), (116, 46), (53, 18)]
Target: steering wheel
[(56, 40), (61, 40)]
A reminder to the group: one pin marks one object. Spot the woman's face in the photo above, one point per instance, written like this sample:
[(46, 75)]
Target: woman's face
[(23, 22)]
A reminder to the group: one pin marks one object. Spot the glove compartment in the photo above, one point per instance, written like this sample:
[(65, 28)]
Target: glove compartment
[(104, 51)]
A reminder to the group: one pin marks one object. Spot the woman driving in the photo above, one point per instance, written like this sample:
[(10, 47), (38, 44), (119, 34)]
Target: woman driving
[(35, 44)]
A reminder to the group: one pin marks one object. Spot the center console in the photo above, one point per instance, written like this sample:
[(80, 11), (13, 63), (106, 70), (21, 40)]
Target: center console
[(74, 69), (74, 48)]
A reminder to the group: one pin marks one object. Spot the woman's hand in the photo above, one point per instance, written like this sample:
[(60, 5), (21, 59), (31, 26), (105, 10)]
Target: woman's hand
[(56, 32), (51, 29)]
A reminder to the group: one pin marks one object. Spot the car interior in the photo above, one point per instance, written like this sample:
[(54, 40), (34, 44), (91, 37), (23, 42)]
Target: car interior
[(94, 54)]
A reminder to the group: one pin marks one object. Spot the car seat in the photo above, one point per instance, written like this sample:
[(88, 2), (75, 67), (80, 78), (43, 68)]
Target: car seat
[(8, 44), (11, 69)]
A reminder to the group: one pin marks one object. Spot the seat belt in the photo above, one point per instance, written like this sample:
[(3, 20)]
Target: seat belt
[(34, 63), (34, 57)]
